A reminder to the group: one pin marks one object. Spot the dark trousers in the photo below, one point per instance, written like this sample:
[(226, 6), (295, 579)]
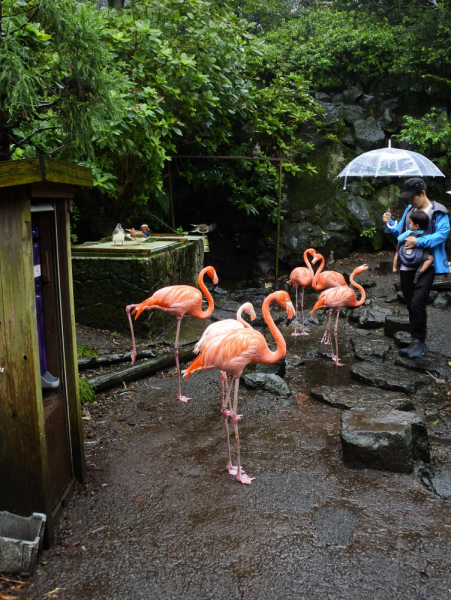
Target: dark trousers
[(416, 297)]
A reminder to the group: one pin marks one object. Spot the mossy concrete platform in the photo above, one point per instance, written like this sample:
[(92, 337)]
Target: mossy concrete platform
[(107, 278)]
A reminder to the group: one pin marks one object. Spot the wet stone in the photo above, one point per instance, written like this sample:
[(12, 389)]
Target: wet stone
[(334, 526), (356, 396), (278, 368), (269, 382), (370, 318), (402, 339), (440, 302), (400, 297), (442, 285), (391, 298), (384, 439), (388, 377), (432, 297), (436, 365), (367, 350), (394, 323)]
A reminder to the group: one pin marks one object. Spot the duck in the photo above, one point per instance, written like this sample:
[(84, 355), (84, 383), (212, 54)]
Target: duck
[(203, 228), (118, 235)]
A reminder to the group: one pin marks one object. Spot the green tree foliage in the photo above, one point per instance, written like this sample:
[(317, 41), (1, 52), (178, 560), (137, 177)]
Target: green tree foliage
[(56, 78), (430, 135), (335, 45), (189, 93)]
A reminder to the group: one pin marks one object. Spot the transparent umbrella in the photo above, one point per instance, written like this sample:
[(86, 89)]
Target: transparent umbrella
[(390, 162)]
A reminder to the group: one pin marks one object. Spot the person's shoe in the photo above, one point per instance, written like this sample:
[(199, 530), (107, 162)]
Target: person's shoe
[(405, 351), (417, 349)]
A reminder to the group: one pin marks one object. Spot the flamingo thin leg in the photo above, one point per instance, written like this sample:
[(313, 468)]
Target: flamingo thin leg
[(296, 318), (326, 336), (128, 309), (241, 475), (335, 359), (303, 332), (176, 352), (226, 414)]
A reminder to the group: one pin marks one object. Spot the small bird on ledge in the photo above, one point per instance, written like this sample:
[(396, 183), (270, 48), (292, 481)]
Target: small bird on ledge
[(118, 235), (136, 235), (203, 228), (331, 260)]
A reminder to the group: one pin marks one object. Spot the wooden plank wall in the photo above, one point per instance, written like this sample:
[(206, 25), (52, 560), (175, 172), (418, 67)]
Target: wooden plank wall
[(23, 455), (70, 340)]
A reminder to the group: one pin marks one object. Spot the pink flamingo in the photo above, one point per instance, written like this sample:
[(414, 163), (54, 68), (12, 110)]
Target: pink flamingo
[(303, 277), (219, 328), (325, 280), (177, 300), (231, 352), (336, 299)]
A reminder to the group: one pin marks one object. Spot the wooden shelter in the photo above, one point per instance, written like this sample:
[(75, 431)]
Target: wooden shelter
[(41, 435)]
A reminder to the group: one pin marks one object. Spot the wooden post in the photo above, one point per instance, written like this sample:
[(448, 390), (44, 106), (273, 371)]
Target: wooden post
[(278, 218), (23, 450), (170, 196)]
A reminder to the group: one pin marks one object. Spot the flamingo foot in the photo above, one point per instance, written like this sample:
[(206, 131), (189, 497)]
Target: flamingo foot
[(232, 469), (296, 333), (337, 362), (243, 478), (304, 333), (183, 398)]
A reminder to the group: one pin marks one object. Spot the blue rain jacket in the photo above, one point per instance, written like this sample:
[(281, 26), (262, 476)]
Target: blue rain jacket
[(435, 240)]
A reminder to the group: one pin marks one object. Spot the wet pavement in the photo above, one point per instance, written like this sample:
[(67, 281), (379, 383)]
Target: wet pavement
[(159, 516)]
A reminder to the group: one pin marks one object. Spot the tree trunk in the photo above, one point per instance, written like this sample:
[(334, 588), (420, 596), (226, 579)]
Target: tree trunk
[(5, 153)]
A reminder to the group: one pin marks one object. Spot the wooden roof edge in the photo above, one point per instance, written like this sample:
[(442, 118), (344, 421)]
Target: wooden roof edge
[(52, 170)]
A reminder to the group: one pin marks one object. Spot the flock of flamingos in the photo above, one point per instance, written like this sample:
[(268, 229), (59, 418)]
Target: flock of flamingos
[(230, 345)]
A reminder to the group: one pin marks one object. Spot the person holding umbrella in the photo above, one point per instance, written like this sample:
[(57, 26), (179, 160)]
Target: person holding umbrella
[(416, 294)]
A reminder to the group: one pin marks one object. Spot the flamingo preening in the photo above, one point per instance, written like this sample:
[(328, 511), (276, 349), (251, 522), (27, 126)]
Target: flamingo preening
[(177, 300), (302, 276), (325, 280), (226, 326), (336, 299), (219, 328), (231, 352)]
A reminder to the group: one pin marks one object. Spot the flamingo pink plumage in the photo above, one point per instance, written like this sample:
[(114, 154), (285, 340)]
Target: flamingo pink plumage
[(302, 276), (219, 328), (336, 299), (231, 352), (177, 300)]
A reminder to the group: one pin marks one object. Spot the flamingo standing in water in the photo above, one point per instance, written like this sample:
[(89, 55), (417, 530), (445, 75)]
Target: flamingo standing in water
[(231, 352), (219, 328), (303, 277), (325, 280), (177, 300), (336, 299)]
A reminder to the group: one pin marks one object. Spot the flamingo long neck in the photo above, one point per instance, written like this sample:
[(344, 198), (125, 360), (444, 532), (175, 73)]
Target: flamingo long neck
[(269, 356), (308, 263), (320, 268), (360, 288), (241, 320), (203, 314)]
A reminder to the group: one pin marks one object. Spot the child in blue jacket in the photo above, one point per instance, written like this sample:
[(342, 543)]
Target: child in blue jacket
[(417, 294)]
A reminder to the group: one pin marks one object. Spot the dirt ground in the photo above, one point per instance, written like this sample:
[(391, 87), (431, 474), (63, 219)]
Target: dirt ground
[(159, 516)]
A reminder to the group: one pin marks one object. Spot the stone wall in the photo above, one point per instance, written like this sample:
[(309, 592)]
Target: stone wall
[(105, 285)]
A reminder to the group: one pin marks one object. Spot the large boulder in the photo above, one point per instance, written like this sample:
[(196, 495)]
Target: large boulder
[(370, 318), (351, 95), (351, 114), (370, 350), (384, 439), (388, 377), (332, 113), (395, 323), (269, 382), (368, 134), (354, 396)]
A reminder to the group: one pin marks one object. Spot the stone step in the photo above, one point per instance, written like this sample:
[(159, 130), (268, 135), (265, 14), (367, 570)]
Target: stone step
[(394, 323), (388, 377), (353, 396)]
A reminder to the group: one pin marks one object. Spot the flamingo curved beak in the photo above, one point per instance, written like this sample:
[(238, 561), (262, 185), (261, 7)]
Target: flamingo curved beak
[(253, 315)]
